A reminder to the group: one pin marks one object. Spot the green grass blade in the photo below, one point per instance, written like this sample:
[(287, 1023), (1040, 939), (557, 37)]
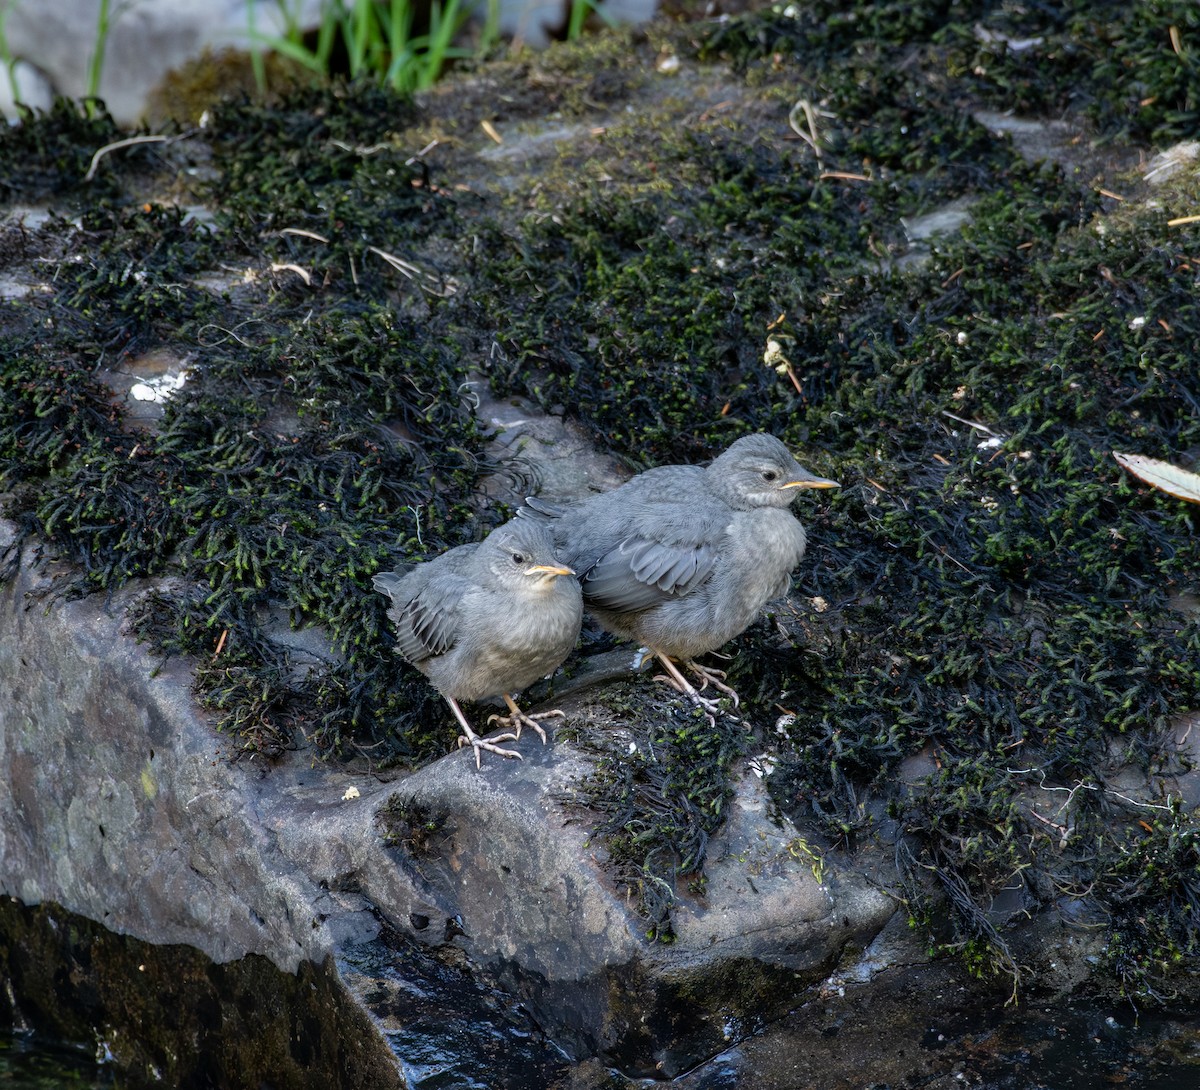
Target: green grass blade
[(96, 62)]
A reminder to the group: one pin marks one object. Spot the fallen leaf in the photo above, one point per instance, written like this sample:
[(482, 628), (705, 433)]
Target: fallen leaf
[(1162, 475)]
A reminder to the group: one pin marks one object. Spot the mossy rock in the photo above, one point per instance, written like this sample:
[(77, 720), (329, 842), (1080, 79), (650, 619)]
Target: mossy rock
[(709, 253)]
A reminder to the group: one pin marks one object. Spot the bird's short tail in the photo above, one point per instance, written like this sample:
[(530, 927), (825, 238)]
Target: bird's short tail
[(386, 581), (535, 507)]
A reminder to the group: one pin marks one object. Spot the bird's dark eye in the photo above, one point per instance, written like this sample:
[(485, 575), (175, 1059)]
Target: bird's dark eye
[(518, 558), (770, 475)]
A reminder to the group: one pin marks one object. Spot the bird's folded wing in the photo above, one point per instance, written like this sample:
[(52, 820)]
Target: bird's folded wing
[(428, 624), (640, 573)]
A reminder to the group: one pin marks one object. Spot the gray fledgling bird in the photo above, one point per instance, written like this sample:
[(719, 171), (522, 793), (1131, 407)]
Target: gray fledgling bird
[(487, 619), (682, 558)]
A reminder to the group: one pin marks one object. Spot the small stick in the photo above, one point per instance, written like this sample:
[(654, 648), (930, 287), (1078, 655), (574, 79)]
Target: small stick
[(115, 146), (971, 424), (422, 153), (305, 234), (810, 137), (302, 273)]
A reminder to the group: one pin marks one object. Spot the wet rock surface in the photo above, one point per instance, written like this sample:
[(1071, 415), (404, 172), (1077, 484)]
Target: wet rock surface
[(141, 821), (161, 1014)]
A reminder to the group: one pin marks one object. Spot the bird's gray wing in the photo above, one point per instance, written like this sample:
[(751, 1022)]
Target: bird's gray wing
[(426, 612), (641, 572)]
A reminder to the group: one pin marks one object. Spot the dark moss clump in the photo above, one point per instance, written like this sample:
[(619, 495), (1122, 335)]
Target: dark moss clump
[(991, 593), (48, 153), (134, 285), (1003, 596), (313, 440), (605, 326), (1128, 66), (411, 826), (1153, 893), (321, 180), (763, 223), (992, 616), (830, 33), (661, 794)]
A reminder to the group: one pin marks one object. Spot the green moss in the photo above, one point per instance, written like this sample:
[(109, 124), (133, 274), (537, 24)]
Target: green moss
[(995, 599), (49, 152), (410, 825), (1152, 890), (1117, 61), (321, 180), (276, 476), (1128, 65), (1008, 603), (134, 285), (663, 776)]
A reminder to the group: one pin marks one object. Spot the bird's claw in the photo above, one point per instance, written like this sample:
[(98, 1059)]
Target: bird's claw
[(478, 744), (693, 694), (708, 675), (709, 706), (712, 708), (519, 718)]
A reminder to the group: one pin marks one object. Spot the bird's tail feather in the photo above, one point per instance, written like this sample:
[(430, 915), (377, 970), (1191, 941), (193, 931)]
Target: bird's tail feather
[(387, 581), (537, 508)]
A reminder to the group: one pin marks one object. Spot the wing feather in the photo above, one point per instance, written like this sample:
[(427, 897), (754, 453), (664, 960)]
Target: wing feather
[(426, 612), (640, 573)]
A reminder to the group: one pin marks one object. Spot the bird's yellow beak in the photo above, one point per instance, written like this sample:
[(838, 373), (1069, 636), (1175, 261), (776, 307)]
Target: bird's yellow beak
[(810, 482), (549, 569)]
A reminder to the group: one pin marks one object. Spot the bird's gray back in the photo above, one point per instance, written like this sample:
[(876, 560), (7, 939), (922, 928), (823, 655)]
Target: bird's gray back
[(729, 562), (660, 500)]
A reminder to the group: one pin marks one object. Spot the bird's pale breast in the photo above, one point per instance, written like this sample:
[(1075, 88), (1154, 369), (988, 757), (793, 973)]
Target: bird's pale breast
[(495, 654)]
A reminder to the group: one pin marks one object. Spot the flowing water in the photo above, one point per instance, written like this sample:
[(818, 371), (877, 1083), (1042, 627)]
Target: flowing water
[(1076, 1048), (30, 1061)]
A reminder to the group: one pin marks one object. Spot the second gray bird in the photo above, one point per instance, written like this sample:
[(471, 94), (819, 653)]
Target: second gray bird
[(682, 558), (487, 619)]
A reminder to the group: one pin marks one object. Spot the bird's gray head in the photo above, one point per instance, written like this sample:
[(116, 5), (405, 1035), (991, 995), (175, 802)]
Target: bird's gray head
[(520, 554), (759, 471)]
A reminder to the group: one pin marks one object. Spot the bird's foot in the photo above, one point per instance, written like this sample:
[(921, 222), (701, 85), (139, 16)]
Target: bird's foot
[(716, 678), (517, 718), (478, 744), (681, 684), (490, 744), (690, 691), (712, 708)]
